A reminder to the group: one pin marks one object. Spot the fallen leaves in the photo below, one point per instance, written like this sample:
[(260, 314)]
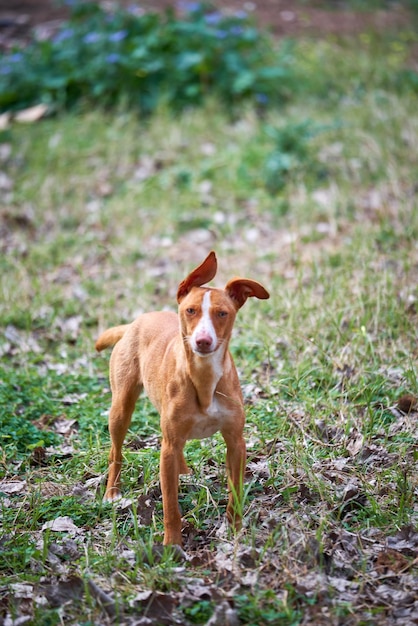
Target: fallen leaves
[(62, 524), (25, 116)]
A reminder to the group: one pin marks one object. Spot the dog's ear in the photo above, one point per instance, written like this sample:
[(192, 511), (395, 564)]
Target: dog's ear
[(239, 289), (199, 276)]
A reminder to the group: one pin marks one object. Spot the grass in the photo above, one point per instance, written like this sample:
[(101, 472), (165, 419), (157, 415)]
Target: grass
[(106, 215)]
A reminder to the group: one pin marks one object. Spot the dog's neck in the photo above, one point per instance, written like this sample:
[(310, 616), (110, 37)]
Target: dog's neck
[(206, 371)]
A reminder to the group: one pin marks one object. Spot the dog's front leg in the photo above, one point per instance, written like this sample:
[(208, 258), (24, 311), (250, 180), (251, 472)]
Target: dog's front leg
[(235, 463), (171, 465)]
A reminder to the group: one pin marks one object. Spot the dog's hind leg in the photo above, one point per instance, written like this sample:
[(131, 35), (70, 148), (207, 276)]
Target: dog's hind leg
[(125, 391)]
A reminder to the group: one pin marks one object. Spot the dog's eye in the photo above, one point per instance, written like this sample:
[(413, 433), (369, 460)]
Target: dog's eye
[(190, 311), (222, 313)]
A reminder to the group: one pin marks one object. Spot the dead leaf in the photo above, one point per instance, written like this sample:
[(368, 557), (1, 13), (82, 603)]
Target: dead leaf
[(145, 509), (62, 524), (66, 551), (64, 591), (103, 599), (94, 482), (22, 590), (49, 489), (38, 456), (13, 486), (259, 469), (393, 596), (392, 560), (355, 442), (157, 607), (407, 403), (225, 558), (70, 326), (6, 183), (405, 541), (73, 398), (4, 121), (65, 426), (146, 168), (343, 584), (224, 615), (33, 114), (103, 189)]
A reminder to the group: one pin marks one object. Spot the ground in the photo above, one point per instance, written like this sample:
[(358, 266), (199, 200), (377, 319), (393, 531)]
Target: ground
[(283, 17), (97, 226)]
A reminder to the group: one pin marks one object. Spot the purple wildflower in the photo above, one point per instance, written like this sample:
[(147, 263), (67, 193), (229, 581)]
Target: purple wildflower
[(261, 98), (213, 18), (112, 58), (236, 30), (134, 10), (118, 35), (189, 7), (91, 38), (15, 58), (64, 34)]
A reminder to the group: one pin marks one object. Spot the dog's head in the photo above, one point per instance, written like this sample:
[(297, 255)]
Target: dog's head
[(207, 315)]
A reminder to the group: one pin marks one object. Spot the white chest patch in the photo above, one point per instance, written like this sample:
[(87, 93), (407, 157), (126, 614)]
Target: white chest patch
[(208, 423)]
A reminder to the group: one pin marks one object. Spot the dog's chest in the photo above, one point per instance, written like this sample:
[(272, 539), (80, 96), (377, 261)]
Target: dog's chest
[(208, 422)]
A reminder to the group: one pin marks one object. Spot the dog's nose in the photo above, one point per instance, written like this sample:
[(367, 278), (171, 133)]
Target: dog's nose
[(204, 343)]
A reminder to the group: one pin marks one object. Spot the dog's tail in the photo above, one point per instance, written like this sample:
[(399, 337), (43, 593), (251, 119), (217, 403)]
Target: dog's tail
[(110, 337)]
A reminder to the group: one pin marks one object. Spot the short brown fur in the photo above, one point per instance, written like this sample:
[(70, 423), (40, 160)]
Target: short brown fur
[(190, 377)]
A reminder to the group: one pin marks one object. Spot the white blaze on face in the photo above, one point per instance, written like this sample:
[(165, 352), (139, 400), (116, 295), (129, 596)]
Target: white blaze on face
[(204, 339)]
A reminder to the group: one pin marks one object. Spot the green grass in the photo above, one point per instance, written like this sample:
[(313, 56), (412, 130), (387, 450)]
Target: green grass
[(106, 215)]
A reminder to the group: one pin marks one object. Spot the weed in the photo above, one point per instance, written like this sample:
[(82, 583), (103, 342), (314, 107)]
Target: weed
[(266, 608), (200, 612), (144, 60)]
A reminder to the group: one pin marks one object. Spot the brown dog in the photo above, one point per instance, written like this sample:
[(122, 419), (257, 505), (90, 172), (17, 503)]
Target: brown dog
[(184, 364)]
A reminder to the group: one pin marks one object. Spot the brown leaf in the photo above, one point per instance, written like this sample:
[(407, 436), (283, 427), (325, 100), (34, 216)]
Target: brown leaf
[(38, 456), (392, 560), (407, 403), (64, 426), (62, 524), (13, 486), (393, 596), (355, 443), (49, 489), (64, 591), (103, 599), (405, 541), (259, 469), (145, 509), (157, 607), (224, 615)]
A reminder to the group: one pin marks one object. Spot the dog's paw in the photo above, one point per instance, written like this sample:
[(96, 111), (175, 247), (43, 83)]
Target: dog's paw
[(112, 496)]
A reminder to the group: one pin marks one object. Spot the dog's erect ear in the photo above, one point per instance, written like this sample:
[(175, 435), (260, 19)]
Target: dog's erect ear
[(239, 289), (199, 276)]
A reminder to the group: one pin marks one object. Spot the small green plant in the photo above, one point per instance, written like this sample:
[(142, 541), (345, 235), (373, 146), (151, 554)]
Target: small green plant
[(293, 154), (266, 608), (200, 612), (23, 399), (17, 550), (145, 60)]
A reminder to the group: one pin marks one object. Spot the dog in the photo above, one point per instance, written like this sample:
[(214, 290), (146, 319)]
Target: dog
[(184, 364)]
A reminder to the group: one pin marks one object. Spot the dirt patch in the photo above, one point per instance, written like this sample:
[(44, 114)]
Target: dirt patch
[(283, 17)]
